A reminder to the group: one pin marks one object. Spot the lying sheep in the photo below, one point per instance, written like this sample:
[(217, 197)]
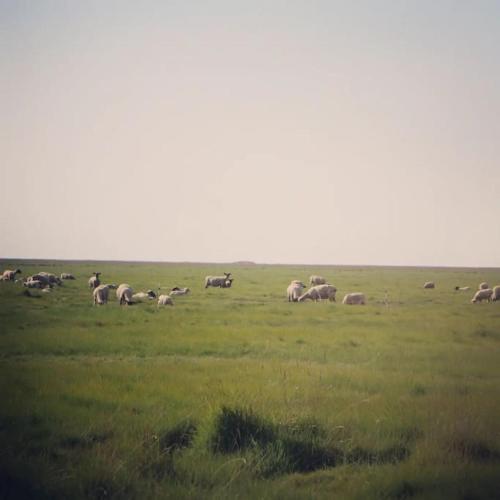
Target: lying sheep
[(9, 275), (219, 281), (34, 284), (101, 294), (53, 279), (462, 288), (140, 296), (94, 281), (429, 284), (356, 298), (294, 290), (179, 291), (124, 294), (42, 278), (165, 300), (67, 276), (483, 286), (484, 294), (496, 293), (319, 292), (317, 280)]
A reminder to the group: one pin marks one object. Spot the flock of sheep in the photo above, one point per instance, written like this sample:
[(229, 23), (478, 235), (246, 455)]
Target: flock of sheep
[(319, 289)]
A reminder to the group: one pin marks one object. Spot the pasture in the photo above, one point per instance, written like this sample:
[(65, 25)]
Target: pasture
[(236, 393)]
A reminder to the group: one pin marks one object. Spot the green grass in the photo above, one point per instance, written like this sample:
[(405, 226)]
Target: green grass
[(237, 393)]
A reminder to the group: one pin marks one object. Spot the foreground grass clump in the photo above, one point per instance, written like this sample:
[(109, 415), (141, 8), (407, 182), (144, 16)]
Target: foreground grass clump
[(236, 393)]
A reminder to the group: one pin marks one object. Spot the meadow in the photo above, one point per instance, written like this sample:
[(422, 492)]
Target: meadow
[(236, 393)]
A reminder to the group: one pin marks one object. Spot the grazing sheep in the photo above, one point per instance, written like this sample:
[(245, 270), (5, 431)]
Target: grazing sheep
[(124, 294), (496, 293), (94, 281), (179, 291), (101, 294), (9, 275), (219, 281), (317, 280), (483, 286), (429, 284), (67, 276), (294, 290), (165, 300), (462, 288), (356, 298), (319, 292), (140, 296), (484, 294)]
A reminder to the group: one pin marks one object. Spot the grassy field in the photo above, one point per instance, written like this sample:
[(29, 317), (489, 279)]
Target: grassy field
[(235, 393)]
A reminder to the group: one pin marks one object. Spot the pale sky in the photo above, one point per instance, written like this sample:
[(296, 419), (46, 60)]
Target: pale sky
[(315, 132)]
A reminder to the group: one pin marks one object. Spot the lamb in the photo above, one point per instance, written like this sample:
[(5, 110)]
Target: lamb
[(462, 288), (483, 294), (356, 298), (219, 281), (496, 293), (319, 292), (483, 286), (100, 294), (67, 276), (9, 275), (94, 281), (429, 284), (294, 290), (124, 294), (165, 300), (181, 291), (316, 280), (140, 296)]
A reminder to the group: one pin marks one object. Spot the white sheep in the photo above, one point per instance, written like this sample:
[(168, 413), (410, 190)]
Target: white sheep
[(317, 280), (9, 275), (140, 296), (484, 294), (53, 279), (41, 278), (94, 281), (165, 300), (33, 284), (355, 298), (294, 290), (101, 294), (67, 276), (483, 286), (462, 288), (319, 292), (429, 284), (124, 294), (496, 293)]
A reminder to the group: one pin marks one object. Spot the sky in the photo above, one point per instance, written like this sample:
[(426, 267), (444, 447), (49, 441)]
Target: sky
[(313, 132)]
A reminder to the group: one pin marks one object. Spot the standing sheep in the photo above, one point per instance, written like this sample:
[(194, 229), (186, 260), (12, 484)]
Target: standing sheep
[(317, 280), (101, 294), (9, 275), (219, 281), (356, 298), (124, 294), (94, 281), (294, 290), (484, 294), (496, 293), (319, 292)]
